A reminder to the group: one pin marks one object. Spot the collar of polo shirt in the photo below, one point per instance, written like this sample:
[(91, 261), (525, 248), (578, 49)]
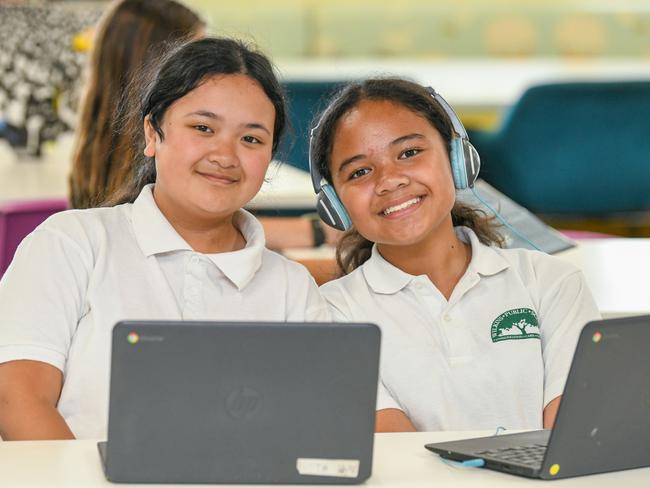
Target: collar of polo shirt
[(155, 235), (384, 278)]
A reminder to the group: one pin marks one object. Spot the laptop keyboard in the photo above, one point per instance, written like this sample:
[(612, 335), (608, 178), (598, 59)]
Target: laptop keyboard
[(530, 455)]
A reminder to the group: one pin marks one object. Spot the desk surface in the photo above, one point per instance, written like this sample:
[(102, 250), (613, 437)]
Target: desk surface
[(617, 272), (400, 460)]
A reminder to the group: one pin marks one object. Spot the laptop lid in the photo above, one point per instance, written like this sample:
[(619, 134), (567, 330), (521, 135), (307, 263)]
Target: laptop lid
[(603, 423), (194, 402)]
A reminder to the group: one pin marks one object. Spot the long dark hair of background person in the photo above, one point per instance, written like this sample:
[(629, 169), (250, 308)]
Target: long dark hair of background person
[(128, 37)]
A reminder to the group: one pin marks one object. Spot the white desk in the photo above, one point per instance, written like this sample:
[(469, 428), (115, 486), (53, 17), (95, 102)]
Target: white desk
[(400, 460), (618, 273)]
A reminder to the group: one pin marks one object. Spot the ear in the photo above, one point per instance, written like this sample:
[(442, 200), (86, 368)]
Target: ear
[(150, 138)]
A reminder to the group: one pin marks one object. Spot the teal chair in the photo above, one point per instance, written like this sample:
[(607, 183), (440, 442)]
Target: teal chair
[(305, 99), (573, 149)]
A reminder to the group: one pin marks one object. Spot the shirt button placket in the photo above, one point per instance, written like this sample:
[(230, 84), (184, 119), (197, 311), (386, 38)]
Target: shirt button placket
[(193, 283)]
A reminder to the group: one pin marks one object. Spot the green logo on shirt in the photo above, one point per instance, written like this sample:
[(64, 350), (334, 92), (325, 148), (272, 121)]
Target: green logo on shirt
[(518, 323)]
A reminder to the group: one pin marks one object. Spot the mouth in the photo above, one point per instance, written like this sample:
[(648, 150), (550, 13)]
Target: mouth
[(218, 178), (401, 208)]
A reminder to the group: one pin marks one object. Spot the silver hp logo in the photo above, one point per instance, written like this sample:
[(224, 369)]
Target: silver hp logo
[(243, 403)]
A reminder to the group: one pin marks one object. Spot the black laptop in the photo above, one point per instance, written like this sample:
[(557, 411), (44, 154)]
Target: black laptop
[(603, 423), (212, 402)]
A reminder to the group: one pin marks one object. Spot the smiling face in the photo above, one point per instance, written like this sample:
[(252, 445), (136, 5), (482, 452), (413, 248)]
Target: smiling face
[(391, 170), (216, 148)]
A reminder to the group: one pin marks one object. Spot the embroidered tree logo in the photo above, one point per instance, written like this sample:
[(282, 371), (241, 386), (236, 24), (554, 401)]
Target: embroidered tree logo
[(518, 323)]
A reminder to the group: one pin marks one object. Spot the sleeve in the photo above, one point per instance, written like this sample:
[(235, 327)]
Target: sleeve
[(336, 303), (566, 308), (42, 298), (385, 399), (305, 301)]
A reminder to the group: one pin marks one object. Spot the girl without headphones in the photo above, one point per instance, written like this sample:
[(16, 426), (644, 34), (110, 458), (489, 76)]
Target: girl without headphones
[(104, 153), (177, 245), (474, 336)]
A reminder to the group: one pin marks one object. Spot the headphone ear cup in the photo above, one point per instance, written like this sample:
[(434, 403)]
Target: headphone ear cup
[(331, 210), (458, 167), (472, 162), (465, 163)]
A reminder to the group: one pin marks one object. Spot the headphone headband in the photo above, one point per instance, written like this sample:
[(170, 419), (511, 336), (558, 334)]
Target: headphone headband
[(458, 126), (316, 177)]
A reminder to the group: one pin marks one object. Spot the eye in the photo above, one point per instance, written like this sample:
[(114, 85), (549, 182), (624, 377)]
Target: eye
[(358, 173), (251, 140), (202, 128), (409, 153)]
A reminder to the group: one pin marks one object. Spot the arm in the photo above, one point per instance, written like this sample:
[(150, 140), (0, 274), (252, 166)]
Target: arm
[(565, 307), (41, 298), (29, 392), (550, 412), (393, 420)]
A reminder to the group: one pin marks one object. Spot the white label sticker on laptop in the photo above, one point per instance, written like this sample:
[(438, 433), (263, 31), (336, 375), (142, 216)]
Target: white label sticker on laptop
[(341, 468)]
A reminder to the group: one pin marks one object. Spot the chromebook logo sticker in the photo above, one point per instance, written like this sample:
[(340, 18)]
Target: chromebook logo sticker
[(132, 338)]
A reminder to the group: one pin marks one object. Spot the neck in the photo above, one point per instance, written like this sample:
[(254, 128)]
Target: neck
[(442, 256), (208, 235)]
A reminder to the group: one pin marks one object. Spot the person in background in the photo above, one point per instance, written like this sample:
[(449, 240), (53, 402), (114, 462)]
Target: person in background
[(129, 36), (176, 245), (473, 336)]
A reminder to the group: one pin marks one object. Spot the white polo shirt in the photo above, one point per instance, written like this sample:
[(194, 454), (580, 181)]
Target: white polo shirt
[(82, 271), (493, 355)]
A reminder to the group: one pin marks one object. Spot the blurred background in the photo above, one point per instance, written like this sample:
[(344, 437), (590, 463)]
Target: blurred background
[(555, 93)]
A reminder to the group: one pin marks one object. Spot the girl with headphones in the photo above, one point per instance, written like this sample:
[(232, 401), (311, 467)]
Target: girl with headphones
[(474, 336), (175, 245)]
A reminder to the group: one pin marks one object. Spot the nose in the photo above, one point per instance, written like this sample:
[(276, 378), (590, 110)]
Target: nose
[(391, 178), (223, 152)]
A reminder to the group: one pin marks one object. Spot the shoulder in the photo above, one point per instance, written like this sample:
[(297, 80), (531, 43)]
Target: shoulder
[(345, 296), (73, 222), (277, 263), (530, 266), (83, 226), (536, 266), (349, 284), (84, 231), (85, 218)]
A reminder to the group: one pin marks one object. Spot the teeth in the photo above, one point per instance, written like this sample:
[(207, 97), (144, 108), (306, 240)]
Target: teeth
[(401, 206)]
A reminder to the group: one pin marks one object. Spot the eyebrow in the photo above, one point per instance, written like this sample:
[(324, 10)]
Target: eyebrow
[(397, 141), (405, 138), (213, 116)]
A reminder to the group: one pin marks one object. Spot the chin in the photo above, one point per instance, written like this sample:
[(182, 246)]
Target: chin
[(216, 210)]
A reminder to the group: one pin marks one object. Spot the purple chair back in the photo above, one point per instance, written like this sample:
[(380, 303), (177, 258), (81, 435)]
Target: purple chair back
[(19, 218)]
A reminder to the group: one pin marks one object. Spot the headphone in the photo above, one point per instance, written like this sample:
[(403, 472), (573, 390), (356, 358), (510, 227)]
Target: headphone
[(465, 165)]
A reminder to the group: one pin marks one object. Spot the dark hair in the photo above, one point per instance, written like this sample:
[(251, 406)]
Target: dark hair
[(354, 249), (129, 36), (183, 69)]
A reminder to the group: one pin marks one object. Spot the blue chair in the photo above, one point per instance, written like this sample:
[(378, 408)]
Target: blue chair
[(305, 99), (573, 149)]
